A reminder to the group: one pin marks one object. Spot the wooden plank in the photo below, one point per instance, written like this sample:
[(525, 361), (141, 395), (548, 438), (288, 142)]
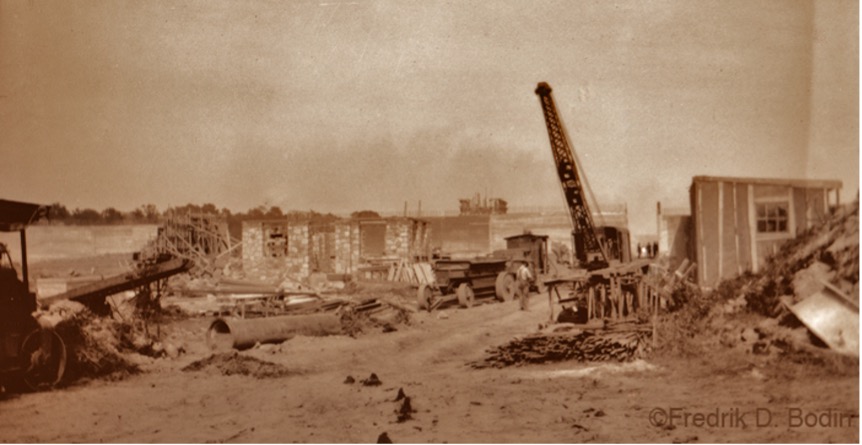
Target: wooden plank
[(420, 276), (752, 230), (430, 272), (720, 220), (736, 232)]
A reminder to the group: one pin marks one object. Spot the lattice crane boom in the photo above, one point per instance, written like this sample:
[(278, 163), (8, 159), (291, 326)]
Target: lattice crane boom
[(588, 249)]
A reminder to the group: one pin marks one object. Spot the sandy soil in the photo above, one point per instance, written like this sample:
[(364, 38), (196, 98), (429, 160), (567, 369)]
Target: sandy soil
[(564, 402)]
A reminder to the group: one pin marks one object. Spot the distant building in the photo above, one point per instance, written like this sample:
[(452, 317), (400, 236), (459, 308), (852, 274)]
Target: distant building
[(483, 206), (344, 246), (674, 229), (738, 222)]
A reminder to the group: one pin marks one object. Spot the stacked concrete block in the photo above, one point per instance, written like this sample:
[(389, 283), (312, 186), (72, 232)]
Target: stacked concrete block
[(298, 253), (355, 253), (258, 266), (398, 238), (252, 241), (346, 246)]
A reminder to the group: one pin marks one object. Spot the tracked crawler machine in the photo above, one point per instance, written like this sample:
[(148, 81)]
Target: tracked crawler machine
[(605, 282)]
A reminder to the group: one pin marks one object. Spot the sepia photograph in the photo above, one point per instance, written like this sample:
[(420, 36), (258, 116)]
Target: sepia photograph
[(405, 221)]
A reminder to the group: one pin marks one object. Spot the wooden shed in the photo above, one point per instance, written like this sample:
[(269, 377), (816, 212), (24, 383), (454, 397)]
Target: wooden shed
[(738, 222)]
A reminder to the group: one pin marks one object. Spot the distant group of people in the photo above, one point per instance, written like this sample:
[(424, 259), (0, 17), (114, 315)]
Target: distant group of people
[(648, 250)]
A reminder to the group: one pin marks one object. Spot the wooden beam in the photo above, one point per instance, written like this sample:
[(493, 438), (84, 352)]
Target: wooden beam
[(752, 228), (720, 230), (736, 230), (702, 270)]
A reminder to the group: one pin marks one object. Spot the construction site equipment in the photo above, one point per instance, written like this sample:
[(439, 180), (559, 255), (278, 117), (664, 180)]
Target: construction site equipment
[(30, 350), (463, 281), (202, 239), (227, 333), (93, 295), (604, 273), (528, 249)]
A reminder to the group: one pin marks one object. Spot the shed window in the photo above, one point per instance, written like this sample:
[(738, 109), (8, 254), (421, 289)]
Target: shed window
[(771, 217), (275, 240)]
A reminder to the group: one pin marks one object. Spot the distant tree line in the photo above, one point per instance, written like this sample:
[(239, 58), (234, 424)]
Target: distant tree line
[(150, 214)]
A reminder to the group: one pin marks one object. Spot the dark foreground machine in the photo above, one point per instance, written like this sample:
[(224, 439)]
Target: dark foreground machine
[(32, 354)]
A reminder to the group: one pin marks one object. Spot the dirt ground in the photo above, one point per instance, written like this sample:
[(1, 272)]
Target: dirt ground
[(563, 402)]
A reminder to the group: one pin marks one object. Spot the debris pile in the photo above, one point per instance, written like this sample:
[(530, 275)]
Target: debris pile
[(828, 252), (759, 312), (576, 345), (95, 344), (237, 364), (373, 314)]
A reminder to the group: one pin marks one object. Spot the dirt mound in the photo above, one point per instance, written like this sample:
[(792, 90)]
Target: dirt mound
[(237, 364)]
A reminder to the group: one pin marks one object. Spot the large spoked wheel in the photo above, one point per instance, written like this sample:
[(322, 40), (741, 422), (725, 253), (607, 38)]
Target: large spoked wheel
[(423, 297), (465, 294), (504, 287), (45, 353)]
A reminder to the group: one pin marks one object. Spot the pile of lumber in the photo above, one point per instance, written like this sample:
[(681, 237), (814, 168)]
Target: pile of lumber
[(408, 272), (583, 346)]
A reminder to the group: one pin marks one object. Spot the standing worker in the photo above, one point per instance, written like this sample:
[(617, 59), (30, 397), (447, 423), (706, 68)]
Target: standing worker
[(525, 277)]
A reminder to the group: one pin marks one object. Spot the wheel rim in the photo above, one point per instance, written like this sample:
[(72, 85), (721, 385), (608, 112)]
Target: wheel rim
[(465, 295), (423, 297), (43, 372), (505, 287)]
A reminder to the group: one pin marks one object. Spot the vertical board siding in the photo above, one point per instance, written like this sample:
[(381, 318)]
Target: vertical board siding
[(730, 256), (800, 206), (742, 224), (711, 222), (752, 229)]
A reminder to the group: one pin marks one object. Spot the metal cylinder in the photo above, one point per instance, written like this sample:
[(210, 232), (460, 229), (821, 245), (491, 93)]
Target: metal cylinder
[(227, 333)]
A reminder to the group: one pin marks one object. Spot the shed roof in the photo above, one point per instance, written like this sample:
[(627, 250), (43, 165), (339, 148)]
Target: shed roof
[(804, 183), (16, 215)]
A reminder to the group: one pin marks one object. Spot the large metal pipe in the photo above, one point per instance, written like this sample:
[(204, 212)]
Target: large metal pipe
[(227, 333)]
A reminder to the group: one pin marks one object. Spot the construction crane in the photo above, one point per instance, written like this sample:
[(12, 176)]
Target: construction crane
[(595, 247), (612, 283), (588, 250)]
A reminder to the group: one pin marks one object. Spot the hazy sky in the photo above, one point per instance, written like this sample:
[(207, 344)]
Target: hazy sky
[(346, 105)]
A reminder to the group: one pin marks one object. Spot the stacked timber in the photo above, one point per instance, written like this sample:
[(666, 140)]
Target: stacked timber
[(409, 272), (583, 346)]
